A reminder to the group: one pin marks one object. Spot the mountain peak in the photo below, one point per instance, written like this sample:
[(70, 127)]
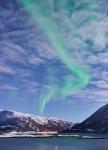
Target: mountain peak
[(27, 122), (97, 122)]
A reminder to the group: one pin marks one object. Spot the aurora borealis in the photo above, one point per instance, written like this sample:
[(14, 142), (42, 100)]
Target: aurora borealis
[(54, 57), (47, 14)]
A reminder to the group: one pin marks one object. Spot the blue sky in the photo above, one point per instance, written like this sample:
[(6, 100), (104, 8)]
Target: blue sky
[(26, 54)]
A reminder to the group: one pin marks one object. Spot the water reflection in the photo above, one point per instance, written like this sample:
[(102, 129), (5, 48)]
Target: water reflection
[(47, 147), (56, 147), (52, 144)]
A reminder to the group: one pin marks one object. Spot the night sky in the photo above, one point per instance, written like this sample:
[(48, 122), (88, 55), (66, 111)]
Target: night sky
[(54, 54)]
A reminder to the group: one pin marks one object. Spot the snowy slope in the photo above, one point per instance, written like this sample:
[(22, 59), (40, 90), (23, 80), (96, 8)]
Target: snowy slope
[(11, 120)]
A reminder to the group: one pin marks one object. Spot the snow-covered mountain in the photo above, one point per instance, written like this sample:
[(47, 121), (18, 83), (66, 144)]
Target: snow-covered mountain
[(15, 121), (97, 122)]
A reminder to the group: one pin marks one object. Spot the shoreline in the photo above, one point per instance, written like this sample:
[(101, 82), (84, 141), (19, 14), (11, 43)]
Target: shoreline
[(77, 136)]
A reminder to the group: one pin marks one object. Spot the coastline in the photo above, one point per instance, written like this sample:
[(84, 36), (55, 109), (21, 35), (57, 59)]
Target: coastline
[(50, 135)]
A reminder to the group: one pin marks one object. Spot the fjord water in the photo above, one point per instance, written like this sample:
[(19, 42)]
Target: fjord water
[(53, 144)]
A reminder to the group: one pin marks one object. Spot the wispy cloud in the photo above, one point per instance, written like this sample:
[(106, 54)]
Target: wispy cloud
[(6, 69), (25, 51), (7, 88)]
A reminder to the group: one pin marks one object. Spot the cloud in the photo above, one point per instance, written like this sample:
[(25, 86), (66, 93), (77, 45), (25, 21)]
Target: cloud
[(91, 95), (6, 69), (22, 40), (36, 60), (101, 58), (102, 84), (8, 88), (25, 51), (104, 75), (11, 52)]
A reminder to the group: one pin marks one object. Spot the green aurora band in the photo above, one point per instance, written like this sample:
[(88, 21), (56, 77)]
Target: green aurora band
[(41, 11)]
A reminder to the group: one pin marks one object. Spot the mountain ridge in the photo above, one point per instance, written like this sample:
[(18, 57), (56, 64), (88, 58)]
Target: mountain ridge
[(97, 122), (17, 121)]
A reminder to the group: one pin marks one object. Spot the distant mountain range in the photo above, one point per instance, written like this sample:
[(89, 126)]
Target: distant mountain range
[(20, 122), (15, 121)]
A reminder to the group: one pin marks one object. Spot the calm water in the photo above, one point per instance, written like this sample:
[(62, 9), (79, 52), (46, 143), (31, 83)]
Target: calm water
[(52, 144)]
